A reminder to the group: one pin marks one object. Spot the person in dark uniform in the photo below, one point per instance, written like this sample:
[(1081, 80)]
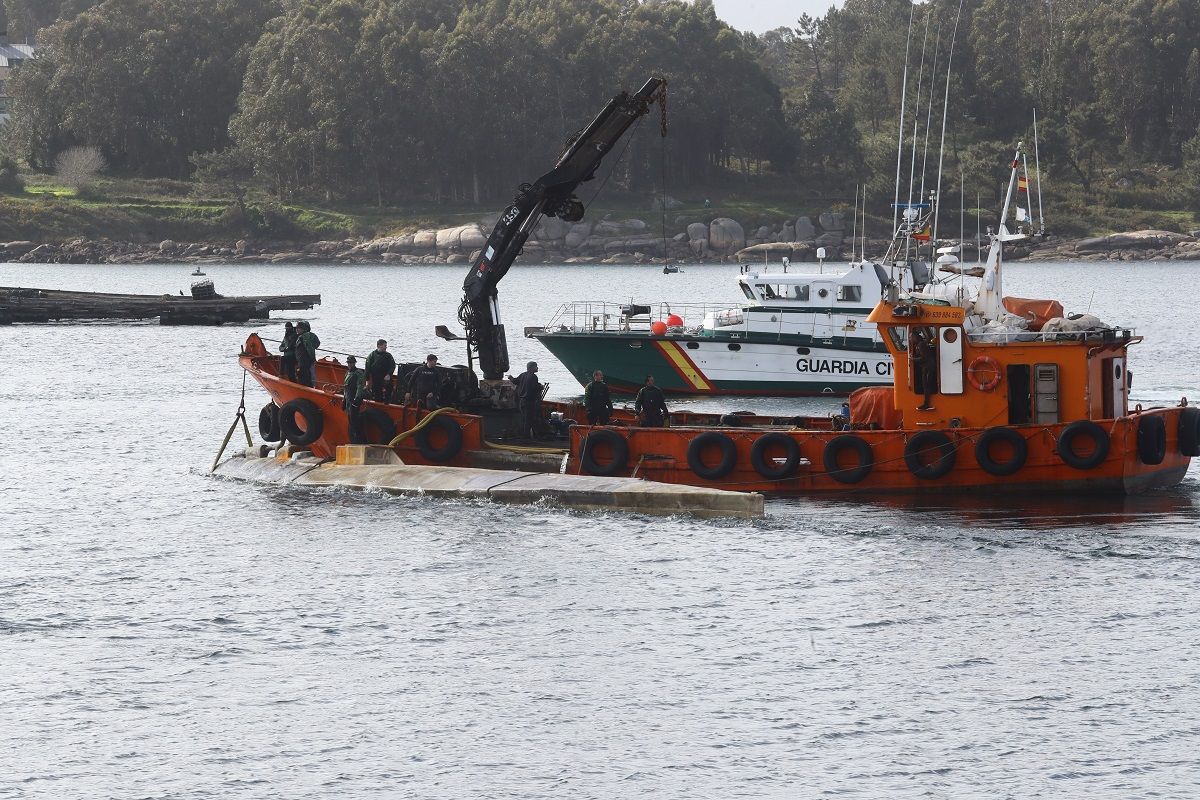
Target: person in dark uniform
[(597, 401), (423, 385), (354, 391), (380, 366), (529, 396), (651, 405), (306, 353), (925, 365), (287, 361)]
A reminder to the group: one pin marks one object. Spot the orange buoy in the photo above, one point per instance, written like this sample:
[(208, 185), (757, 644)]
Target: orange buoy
[(674, 321), (984, 373), (658, 328)]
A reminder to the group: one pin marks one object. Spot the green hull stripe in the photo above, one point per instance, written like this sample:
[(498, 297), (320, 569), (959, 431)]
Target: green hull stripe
[(626, 367)]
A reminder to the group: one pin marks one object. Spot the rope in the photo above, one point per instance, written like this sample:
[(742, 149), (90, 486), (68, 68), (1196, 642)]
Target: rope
[(428, 418), (240, 416), (628, 141), (558, 451), (319, 349)]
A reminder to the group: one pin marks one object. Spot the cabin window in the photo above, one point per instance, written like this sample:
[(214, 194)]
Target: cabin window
[(1020, 396), (768, 291), (746, 290), (849, 294), (799, 292), (899, 337)]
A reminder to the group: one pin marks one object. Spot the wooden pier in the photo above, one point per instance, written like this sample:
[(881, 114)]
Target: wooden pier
[(202, 307)]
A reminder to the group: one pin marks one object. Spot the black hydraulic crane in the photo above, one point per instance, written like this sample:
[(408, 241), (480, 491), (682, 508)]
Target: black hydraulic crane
[(553, 195)]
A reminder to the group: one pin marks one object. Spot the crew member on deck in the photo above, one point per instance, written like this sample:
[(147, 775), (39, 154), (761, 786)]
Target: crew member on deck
[(529, 396), (354, 390), (306, 353), (380, 366), (597, 401), (287, 361), (423, 385), (651, 405)]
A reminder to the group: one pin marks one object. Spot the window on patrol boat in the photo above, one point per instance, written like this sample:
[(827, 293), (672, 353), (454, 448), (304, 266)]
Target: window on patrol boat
[(796, 292), (746, 290), (849, 294), (768, 291)]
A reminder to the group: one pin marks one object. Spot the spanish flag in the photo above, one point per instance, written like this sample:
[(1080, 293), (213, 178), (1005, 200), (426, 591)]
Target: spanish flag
[(923, 235), (1022, 185)]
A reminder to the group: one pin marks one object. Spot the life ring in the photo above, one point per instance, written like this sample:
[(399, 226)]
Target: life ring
[(1011, 437), (587, 454), (1189, 432), (695, 455), (454, 439), (1089, 429), (862, 451), (925, 442), (372, 420), (984, 364), (314, 421), (1151, 439), (268, 423), (765, 466)]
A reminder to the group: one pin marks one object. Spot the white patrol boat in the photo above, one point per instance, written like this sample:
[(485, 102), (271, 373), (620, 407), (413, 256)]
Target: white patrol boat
[(796, 332)]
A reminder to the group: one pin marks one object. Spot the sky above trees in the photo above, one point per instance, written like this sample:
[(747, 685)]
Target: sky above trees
[(758, 16)]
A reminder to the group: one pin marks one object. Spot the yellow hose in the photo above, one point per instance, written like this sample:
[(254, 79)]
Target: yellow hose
[(400, 437)]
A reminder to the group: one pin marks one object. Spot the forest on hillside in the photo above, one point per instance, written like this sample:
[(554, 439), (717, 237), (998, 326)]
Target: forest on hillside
[(392, 101)]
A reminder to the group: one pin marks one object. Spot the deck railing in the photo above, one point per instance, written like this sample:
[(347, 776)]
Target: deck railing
[(591, 316)]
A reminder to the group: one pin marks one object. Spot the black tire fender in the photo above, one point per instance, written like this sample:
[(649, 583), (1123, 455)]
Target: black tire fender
[(924, 443), (377, 421), (695, 455), (1014, 439), (1189, 432), (454, 439), (587, 453), (769, 469), (1151, 439), (1089, 429), (856, 444), (314, 421), (268, 423)]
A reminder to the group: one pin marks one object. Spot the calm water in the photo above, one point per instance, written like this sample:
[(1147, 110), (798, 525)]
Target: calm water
[(167, 635)]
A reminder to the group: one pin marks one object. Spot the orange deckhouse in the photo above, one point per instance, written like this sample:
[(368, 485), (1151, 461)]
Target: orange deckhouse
[(990, 393)]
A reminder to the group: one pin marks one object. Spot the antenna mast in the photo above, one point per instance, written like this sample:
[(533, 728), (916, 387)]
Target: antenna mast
[(945, 110), (1037, 166), (903, 102)]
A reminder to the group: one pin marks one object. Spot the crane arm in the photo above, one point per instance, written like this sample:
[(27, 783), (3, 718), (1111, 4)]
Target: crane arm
[(552, 195)]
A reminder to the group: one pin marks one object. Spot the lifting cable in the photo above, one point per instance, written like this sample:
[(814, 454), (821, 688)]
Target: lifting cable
[(240, 416)]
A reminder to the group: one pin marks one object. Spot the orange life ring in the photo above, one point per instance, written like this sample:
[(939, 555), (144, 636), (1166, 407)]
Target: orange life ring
[(984, 364)]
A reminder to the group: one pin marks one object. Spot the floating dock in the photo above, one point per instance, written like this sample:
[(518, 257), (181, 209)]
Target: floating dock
[(202, 307), (378, 467)]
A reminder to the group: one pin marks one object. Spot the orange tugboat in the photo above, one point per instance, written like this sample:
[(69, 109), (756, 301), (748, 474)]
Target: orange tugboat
[(990, 393)]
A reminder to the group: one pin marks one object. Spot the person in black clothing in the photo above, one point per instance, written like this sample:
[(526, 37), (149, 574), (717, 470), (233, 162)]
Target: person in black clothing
[(423, 384), (597, 401), (925, 364), (380, 366), (354, 390), (287, 361), (651, 405), (529, 396)]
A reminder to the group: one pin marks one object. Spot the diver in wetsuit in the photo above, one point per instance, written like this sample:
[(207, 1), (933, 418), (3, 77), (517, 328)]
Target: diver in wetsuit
[(651, 405)]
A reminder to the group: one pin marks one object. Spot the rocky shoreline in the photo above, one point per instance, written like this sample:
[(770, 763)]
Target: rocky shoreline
[(606, 241)]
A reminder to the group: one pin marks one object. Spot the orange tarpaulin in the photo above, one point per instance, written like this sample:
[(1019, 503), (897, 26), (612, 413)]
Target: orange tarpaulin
[(1038, 312), (874, 408)]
